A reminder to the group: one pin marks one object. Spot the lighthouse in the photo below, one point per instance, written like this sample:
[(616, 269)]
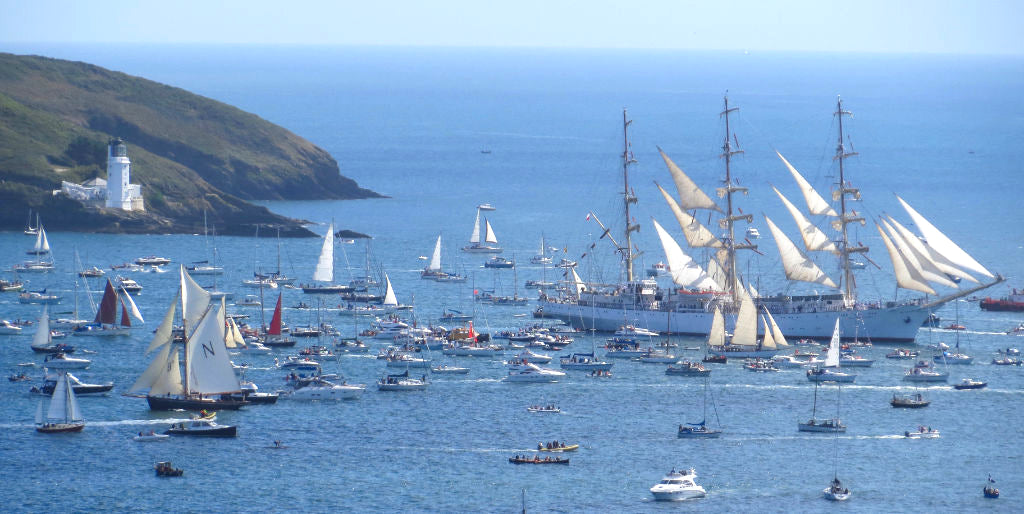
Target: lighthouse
[(121, 193)]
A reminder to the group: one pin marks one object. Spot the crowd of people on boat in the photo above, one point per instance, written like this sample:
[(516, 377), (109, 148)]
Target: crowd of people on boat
[(551, 445), (544, 407), (535, 459), (600, 373)]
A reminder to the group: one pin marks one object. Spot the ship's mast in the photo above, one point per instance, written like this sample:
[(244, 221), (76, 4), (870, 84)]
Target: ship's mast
[(729, 221), (845, 218), (628, 197)]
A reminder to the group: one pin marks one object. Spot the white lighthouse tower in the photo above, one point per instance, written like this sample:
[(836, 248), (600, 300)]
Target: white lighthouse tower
[(121, 193)]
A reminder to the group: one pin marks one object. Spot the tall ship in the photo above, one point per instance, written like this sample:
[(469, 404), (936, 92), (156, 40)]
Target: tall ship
[(921, 262)]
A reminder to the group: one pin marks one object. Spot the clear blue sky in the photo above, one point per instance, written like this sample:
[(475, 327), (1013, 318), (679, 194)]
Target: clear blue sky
[(904, 26)]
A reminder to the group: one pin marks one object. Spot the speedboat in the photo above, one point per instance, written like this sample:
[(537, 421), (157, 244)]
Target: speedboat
[(150, 437), (499, 262), (350, 345), (829, 375), (38, 297), (760, 365), (968, 383), (316, 388), (296, 363), (251, 394), (449, 370), (855, 361), (836, 491), (62, 361), (129, 285), (531, 356), (165, 469), (80, 388), (557, 447), (202, 428), (822, 425), (678, 485), (528, 372), (9, 329), (922, 432), (547, 408)]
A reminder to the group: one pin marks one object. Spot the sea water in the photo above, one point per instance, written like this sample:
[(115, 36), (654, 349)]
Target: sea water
[(943, 132)]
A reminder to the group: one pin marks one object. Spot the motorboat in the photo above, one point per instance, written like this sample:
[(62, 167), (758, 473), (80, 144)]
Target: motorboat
[(296, 363), (531, 356), (316, 388), (472, 350), (150, 437), (152, 260), (836, 491), (202, 428), (165, 469), (9, 329), (688, 369), (968, 383), (7, 286), (251, 394), (127, 284), (250, 300), (760, 365), (658, 356), (318, 353), (925, 374), (38, 297), (855, 361), (533, 373), (544, 408), (990, 491), (557, 447), (822, 425), (80, 388), (922, 432), (445, 369), (953, 358), (499, 262), (819, 374), (584, 362), (621, 348), (677, 486), (60, 360), (350, 345), (788, 361), (453, 316), (909, 401), (404, 360), (634, 331), (402, 382), (901, 353), (1007, 361), (566, 263)]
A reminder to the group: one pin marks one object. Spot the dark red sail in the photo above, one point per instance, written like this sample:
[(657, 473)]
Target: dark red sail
[(107, 313)]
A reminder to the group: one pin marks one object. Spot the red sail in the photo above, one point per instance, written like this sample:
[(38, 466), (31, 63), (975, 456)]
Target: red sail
[(125, 320), (275, 322), (107, 313)]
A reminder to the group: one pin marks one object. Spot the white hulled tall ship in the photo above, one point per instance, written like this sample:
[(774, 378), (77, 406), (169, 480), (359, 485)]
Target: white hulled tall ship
[(919, 264)]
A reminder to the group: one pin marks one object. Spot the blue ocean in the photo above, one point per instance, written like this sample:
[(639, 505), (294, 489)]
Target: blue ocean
[(538, 134)]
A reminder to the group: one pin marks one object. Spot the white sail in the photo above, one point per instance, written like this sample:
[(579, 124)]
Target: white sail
[(63, 404), (229, 340), (690, 196), (131, 303), (42, 337), (944, 265), (684, 270), (169, 380), (814, 239), (832, 358), (164, 333), (475, 238), (194, 302), (745, 332), (796, 264), (325, 264), (489, 237), (39, 413), (753, 292), (717, 273), (389, 292), (542, 250), (942, 244), (435, 259), (236, 334), (716, 336), (207, 366), (913, 248), (780, 340), (768, 342), (153, 372), (697, 236), (906, 274), (42, 243), (816, 205), (577, 282)]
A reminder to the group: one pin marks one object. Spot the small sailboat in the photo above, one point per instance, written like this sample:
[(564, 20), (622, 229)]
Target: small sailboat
[(829, 372), (541, 257), (390, 300), (63, 414), (42, 246), (825, 425), (744, 343), (41, 250), (274, 334), (701, 430), (106, 322), (323, 276), (489, 244), (29, 229)]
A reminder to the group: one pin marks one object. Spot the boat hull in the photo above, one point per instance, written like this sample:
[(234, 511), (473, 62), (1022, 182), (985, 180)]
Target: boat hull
[(686, 433), (190, 403), (60, 428), (219, 431), (678, 495)]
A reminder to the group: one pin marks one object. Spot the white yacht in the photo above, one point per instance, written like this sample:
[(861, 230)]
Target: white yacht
[(316, 388), (633, 331), (528, 372), (531, 356), (62, 361), (402, 382), (678, 485)]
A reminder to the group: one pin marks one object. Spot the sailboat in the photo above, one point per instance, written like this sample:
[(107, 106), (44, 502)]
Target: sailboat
[(744, 342), (208, 375), (829, 372), (390, 300), (836, 491), (44, 258), (541, 257), (701, 430), (42, 340), (106, 322), (206, 267), (324, 274), (825, 425), (915, 262), (274, 335), (63, 414), (433, 269), (29, 229), (490, 241), (955, 357)]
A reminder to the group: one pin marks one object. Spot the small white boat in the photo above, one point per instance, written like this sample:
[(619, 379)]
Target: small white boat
[(954, 358), (150, 437), (855, 361), (62, 361), (402, 382), (836, 491), (404, 360), (38, 297), (584, 362), (753, 233), (9, 329), (677, 486), (653, 356), (545, 408), (829, 375), (445, 369), (922, 432), (316, 388), (920, 374), (152, 260), (532, 373), (633, 331), (531, 356), (127, 284)]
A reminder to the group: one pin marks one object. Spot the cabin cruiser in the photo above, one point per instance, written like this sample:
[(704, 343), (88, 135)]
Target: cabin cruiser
[(924, 373), (584, 362), (9, 329), (818, 374), (697, 431), (909, 401), (316, 388), (531, 356), (634, 331), (38, 297), (404, 360), (402, 382), (152, 260), (445, 369), (251, 394), (658, 356), (60, 360), (968, 383), (202, 428), (901, 353), (129, 285), (678, 485), (688, 369), (922, 432), (528, 372), (296, 363), (80, 388), (953, 358)]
